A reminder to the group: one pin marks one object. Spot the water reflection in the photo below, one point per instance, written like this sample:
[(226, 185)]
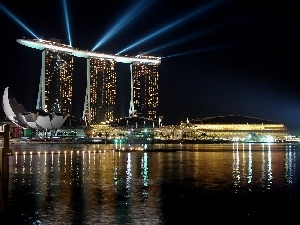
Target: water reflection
[(246, 164), (290, 164), (95, 184)]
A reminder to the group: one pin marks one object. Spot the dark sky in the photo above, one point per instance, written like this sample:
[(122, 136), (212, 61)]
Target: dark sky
[(226, 57)]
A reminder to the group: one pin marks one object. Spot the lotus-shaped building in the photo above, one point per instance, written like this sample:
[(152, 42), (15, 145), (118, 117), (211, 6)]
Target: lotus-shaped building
[(39, 119)]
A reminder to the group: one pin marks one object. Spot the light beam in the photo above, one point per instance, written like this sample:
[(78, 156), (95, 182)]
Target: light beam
[(197, 51), (202, 9), (128, 17), (206, 49), (67, 21), (17, 20), (187, 38)]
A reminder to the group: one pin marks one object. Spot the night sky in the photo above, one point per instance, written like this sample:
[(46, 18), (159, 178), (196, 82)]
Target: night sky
[(218, 57)]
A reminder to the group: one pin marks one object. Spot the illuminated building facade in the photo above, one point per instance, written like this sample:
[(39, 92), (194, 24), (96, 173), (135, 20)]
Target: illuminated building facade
[(55, 89), (144, 87), (100, 97), (230, 128), (236, 128)]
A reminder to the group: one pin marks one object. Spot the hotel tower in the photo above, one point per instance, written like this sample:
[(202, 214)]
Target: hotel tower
[(144, 90), (56, 81), (100, 99)]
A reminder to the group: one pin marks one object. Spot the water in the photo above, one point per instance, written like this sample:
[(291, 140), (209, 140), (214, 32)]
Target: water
[(95, 184)]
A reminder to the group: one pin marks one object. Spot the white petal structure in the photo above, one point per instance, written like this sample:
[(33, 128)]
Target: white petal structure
[(57, 119), (39, 120), (13, 110), (43, 120)]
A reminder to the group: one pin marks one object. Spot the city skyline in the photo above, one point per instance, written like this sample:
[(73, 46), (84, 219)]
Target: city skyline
[(218, 57)]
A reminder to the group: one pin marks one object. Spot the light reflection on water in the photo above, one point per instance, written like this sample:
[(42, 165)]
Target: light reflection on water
[(96, 184)]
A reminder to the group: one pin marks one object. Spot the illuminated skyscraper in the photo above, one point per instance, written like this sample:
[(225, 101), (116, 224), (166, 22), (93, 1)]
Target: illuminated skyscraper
[(144, 88), (55, 89), (100, 97)]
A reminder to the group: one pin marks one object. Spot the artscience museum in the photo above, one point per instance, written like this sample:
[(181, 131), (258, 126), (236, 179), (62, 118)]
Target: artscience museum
[(38, 119)]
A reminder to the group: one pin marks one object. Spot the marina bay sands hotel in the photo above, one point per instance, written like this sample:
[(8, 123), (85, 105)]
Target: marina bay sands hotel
[(56, 81)]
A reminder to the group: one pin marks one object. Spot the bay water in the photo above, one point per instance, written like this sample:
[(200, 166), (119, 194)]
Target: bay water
[(52, 183)]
